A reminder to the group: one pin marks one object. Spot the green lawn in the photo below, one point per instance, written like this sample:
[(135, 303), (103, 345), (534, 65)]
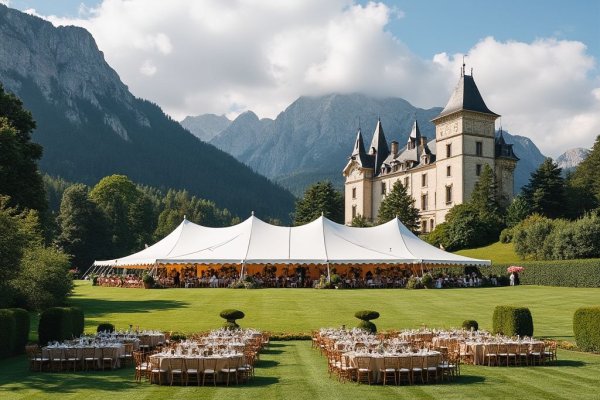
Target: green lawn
[(499, 253), (291, 370)]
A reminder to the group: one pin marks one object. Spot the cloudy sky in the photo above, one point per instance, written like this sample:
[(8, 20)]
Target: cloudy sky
[(535, 61)]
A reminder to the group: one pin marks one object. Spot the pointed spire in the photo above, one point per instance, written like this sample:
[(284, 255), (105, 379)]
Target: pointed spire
[(466, 96), (359, 144), (379, 147), (415, 133)]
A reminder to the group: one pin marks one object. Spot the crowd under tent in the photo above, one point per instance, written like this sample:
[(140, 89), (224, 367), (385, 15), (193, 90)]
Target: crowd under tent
[(317, 247)]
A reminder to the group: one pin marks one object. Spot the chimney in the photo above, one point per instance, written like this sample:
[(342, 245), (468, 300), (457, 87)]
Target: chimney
[(394, 148)]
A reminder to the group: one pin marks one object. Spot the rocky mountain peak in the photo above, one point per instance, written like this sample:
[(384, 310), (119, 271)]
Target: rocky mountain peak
[(64, 64), (572, 158)]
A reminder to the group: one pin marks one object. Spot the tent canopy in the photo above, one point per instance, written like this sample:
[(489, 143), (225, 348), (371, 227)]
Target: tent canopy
[(321, 241)]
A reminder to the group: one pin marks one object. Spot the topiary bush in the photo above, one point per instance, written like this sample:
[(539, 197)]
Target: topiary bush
[(586, 326), (178, 337), (365, 317), (22, 326), (8, 332), (470, 323), (105, 327), (52, 325), (231, 315), (512, 321), (414, 283), (77, 321)]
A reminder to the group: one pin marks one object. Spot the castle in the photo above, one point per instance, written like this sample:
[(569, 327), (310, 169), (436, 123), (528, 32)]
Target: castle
[(438, 173)]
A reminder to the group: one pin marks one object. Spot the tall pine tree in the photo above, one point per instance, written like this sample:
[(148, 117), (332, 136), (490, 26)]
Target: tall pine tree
[(545, 192), (398, 203), (320, 198)]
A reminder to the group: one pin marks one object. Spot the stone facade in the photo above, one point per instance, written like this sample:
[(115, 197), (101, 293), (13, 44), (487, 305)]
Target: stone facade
[(439, 172)]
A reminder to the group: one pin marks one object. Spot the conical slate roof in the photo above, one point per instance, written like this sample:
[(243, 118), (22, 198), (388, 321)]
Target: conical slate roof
[(379, 147), (466, 96), (358, 152)]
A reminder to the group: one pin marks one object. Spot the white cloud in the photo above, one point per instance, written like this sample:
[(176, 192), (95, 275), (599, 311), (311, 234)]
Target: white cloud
[(5, 2), (226, 57)]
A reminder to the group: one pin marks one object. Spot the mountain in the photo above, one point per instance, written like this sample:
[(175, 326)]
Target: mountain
[(206, 126), (312, 139), (570, 159), (91, 126), (530, 158)]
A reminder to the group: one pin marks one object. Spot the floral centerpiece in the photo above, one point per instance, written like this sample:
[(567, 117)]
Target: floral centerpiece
[(515, 269)]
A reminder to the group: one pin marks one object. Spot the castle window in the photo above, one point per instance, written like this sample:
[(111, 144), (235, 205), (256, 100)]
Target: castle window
[(448, 194), (479, 148), (478, 169), (406, 182), (423, 226), (353, 211), (383, 188), (448, 171), (423, 180), (431, 225), (424, 202), (354, 193), (449, 150)]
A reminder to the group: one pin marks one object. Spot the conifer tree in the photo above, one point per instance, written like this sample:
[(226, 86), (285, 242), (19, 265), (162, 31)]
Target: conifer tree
[(320, 199), (398, 203), (545, 192)]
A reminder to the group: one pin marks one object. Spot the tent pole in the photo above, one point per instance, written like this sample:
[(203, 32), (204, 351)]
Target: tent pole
[(242, 271), (422, 270), (328, 273)]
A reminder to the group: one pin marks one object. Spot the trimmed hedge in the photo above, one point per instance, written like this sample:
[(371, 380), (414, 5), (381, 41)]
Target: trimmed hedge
[(77, 321), (105, 327), (22, 326), (8, 333), (470, 323), (59, 323), (586, 326), (231, 315), (512, 321), (567, 273)]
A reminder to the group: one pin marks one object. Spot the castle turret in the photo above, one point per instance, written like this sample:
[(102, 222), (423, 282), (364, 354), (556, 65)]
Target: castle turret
[(506, 162)]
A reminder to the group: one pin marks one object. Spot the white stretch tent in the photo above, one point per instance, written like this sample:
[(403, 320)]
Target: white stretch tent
[(319, 242)]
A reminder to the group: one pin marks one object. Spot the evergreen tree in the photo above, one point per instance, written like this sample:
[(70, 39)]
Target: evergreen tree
[(320, 198), (398, 203), (586, 179), (83, 228), (483, 197), (19, 176), (360, 222), (517, 211), (545, 192)]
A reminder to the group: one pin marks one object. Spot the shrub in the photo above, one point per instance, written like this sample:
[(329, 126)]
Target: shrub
[(8, 333), (586, 326), (470, 323), (231, 315), (427, 281), (148, 280), (77, 321), (22, 326), (55, 325), (365, 317), (105, 327), (506, 236), (414, 283), (512, 321), (178, 337)]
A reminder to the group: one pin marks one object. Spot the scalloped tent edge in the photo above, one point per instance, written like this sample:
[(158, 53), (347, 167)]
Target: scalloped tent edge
[(321, 241)]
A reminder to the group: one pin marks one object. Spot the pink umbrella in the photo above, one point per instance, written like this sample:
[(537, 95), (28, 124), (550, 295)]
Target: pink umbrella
[(515, 269)]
